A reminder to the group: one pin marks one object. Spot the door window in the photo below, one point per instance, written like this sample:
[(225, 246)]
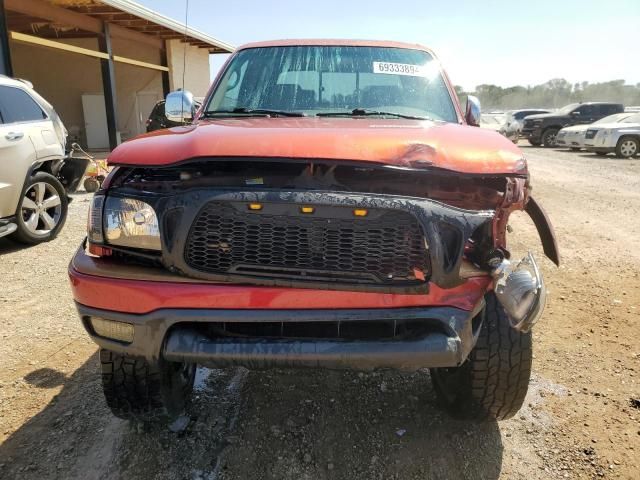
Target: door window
[(586, 111), (17, 106)]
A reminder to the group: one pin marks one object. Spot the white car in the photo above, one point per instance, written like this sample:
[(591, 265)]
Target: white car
[(498, 122), (574, 137), (623, 138), (33, 199)]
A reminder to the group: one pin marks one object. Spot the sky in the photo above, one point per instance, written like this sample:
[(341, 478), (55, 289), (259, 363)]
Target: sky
[(503, 43)]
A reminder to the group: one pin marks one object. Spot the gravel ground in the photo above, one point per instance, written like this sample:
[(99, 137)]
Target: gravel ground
[(581, 418)]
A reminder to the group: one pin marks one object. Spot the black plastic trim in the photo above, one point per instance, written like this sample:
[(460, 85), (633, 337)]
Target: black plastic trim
[(168, 334), (433, 216)]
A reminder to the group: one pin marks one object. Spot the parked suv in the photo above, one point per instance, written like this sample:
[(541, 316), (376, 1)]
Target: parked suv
[(330, 207), (543, 129), (33, 177)]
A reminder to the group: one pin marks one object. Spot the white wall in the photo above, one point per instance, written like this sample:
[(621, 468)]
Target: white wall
[(197, 75), (62, 77)]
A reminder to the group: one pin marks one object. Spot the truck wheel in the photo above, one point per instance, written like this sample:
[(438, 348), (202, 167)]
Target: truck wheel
[(627, 147), (42, 210), (136, 390), (535, 143), (493, 381), (549, 137)]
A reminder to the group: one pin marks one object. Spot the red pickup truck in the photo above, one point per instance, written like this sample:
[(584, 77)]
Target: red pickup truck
[(330, 205)]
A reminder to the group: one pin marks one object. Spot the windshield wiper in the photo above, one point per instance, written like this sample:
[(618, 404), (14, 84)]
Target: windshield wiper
[(252, 111), (364, 112)]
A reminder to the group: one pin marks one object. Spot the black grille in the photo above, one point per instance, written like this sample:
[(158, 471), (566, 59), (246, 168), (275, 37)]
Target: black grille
[(385, 247), (590, 134)]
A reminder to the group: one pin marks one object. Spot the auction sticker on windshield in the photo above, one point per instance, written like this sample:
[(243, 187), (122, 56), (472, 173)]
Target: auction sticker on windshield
[(399, 69)]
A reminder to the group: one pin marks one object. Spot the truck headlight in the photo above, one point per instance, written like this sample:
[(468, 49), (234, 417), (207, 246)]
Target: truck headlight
[(521, 291), (131, 223)]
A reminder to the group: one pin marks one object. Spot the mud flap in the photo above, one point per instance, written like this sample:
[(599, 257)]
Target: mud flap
[(545, 230)]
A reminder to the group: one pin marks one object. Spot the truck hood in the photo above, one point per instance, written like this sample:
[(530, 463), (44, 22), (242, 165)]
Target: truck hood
[(395, 142), (542, 116)]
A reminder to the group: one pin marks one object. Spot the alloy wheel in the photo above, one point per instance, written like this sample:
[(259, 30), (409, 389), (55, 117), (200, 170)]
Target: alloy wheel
[(41, 208), (628, 148)]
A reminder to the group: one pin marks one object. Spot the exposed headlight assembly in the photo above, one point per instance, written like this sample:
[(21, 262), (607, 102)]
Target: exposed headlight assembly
[(521, 291), (130, 223)]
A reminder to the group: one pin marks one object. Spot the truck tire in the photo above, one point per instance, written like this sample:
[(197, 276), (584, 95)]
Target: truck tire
[(535, 143), (549, 137), (42, 210), (492, 383), (136, 390), (627, 147)]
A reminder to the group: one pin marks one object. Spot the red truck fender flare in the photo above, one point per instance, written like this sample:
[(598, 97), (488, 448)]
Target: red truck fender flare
[(545, 230)]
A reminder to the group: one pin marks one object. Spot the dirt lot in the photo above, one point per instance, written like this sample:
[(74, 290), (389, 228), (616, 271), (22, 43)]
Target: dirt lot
[(581, 419)]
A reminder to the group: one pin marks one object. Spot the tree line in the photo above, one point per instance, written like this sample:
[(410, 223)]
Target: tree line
[(553, 94)]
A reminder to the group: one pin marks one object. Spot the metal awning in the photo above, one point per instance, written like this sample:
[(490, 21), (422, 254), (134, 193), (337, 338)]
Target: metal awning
[(61, 19)]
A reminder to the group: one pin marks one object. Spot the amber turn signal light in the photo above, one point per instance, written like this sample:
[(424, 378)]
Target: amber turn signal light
[(307, 209), (255, 206), (360, 212)]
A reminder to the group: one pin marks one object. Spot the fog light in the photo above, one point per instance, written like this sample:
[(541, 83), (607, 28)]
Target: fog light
[(520, 290), (123, 332)]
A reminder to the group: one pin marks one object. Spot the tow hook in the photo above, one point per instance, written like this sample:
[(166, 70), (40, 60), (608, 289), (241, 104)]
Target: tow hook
[(521, 291)]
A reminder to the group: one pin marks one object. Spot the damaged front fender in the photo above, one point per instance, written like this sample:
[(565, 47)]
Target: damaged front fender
[(545, 230)]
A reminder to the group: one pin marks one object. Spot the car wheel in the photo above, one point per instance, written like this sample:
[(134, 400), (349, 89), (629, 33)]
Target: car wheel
[(137, 390), (575, 149), (549, 137), (42, 210), (91, 185), (535, 143), (627, 147), (493, 381)]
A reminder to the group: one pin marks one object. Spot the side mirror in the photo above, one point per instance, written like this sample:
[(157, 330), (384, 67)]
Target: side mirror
[(472, 114), (179, 106)]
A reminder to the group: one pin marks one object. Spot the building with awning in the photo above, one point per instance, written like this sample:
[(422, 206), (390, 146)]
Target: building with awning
[(103, 64)]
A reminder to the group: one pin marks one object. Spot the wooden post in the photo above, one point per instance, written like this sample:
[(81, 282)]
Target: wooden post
[(109, 85), (166, 88)]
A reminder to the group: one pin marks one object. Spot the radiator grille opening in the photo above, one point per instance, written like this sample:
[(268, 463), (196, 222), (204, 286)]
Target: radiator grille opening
[(386, 247)]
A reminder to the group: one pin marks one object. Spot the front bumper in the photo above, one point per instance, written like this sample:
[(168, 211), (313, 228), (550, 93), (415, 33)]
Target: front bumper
[(532, 133), (180, 335), (170, 315)]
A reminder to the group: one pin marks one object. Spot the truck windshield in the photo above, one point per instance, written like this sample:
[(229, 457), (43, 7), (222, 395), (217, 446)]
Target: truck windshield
[(327, 80)]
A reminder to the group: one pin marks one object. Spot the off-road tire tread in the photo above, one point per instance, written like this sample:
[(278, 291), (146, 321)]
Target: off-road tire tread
[(494, 380), (500, 365), (132, 389)]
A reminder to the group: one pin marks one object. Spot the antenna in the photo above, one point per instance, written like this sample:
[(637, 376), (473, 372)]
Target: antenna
[(184, 54)]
